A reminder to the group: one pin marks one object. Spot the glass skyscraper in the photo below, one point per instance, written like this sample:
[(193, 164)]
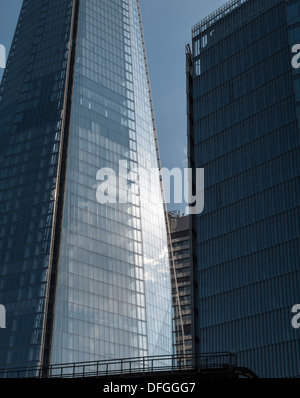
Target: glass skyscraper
[(80, 280), (243, 129)]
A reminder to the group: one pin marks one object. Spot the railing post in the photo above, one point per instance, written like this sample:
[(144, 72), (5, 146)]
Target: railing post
[(121, 367), (74, 367), (143, 365), (231, 361)]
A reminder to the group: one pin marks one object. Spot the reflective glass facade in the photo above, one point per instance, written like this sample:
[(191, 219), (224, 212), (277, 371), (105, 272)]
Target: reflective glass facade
[(243, 113), (109, 294), (32, 95), (113, 285)]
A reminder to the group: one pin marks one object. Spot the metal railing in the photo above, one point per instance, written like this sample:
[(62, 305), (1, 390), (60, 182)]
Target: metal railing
[(125, 366), (216, 15)]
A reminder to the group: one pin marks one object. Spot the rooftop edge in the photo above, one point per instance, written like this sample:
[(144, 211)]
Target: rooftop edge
[(216, 15)]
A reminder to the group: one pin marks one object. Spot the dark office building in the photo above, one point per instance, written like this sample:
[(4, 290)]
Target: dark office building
[(243, 129), (81, 279), (181, 282)]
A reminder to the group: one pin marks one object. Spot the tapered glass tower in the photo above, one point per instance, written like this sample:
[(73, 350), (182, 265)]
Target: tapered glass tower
[(80, 279)]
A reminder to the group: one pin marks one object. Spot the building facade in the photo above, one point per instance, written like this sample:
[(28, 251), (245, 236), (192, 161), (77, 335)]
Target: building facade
[(80, 279), (181, 283), (243, 129)]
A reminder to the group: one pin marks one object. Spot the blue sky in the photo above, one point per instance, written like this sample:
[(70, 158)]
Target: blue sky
[(167, 27)]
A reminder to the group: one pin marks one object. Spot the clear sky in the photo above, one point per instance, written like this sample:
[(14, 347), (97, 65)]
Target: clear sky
[(167, 27)]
